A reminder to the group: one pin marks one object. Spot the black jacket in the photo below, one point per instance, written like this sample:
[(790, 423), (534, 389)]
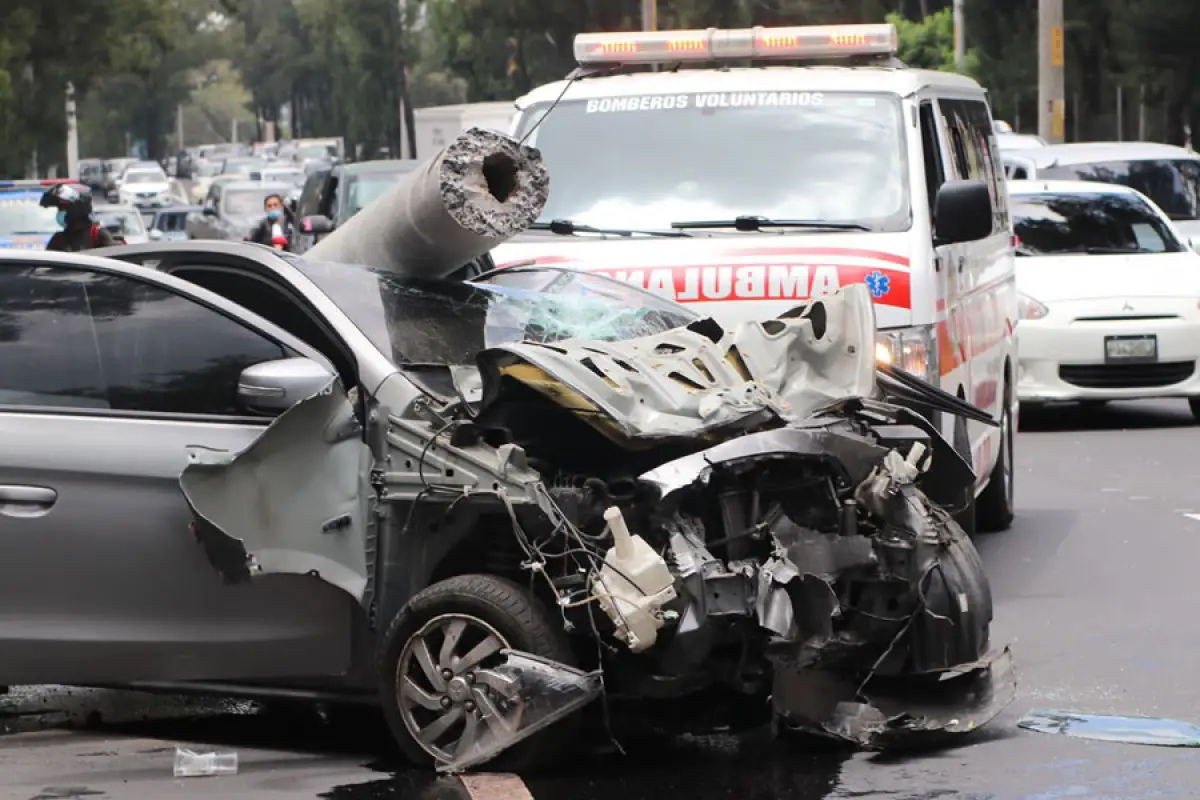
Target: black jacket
[(262, 232), (73, 241)]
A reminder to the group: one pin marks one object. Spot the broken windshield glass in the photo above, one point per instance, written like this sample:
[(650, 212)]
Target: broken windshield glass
[(423, 321)]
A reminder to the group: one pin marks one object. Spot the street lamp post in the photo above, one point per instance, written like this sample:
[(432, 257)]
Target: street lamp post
[(1052, 100)]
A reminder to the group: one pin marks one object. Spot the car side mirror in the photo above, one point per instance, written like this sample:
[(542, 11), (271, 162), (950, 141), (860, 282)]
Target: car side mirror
[(1194, 243), (272, 387), (155, 234), (962, 212), (317, 224)]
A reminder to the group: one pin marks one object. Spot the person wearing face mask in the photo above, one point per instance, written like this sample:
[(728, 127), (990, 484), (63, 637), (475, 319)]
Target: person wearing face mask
[(79, 230), (276, 228)]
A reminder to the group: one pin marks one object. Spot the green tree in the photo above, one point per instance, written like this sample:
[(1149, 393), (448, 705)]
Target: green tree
[(929, 43)]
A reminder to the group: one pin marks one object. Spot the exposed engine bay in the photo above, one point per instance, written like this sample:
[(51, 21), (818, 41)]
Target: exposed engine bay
[(743, 511)]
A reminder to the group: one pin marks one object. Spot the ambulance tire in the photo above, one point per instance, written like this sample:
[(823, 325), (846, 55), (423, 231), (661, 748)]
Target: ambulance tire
[(1194, 405), (994, 508), (508, 610), (966, 517)]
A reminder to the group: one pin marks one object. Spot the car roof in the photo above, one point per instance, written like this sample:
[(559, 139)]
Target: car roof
[(1066, 187), (1090, 152), (893, 80)]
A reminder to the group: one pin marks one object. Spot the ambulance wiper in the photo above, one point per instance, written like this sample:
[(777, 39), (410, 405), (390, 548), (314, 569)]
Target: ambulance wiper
[(565, 227), (762, 223)]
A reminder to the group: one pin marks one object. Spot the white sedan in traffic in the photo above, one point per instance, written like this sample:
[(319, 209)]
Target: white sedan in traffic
[(1109, 296)]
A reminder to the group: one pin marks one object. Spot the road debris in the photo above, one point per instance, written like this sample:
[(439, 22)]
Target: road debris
[(1111, 728)]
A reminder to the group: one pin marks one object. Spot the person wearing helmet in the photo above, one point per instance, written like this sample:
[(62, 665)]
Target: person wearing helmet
[(79, 230)]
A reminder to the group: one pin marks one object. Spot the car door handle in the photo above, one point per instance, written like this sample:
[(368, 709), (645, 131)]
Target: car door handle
[(26, 501)]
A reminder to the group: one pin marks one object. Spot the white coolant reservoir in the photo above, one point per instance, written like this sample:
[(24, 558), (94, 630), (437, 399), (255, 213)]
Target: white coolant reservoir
[(633, 585)]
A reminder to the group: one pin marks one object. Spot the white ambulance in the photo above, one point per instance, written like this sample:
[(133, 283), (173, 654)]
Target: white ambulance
[(820, 161)]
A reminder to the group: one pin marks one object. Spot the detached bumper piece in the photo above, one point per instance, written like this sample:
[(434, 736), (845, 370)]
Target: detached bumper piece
[(523, 695), (890, 714)]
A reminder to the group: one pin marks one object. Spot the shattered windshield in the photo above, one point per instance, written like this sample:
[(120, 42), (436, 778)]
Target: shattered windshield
[(651, 160), (423, 321)]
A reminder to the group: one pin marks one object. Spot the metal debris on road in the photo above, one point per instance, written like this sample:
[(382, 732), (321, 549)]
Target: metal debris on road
[(189, 764), (1110, 728)]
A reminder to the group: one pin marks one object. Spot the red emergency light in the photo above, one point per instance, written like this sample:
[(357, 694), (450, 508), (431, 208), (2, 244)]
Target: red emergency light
[(716, 44)]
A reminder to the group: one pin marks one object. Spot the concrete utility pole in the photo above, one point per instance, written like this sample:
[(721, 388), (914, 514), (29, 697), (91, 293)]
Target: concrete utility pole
[(72, 135), (1052, 90), (649, 15), (179, 145), (960, 36)]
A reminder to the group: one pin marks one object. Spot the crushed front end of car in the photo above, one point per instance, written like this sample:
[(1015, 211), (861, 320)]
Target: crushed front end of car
[(715, 521)]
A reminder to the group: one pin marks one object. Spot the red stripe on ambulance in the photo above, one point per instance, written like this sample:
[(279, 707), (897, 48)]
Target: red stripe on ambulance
[(714, 283)]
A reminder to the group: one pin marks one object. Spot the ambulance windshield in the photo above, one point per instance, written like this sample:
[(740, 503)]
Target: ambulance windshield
[(645, 161)]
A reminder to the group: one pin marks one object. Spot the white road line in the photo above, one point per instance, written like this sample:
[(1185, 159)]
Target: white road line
[(495, 787)]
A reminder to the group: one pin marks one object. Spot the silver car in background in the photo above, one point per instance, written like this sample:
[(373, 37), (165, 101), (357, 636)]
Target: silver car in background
[(122, 221)]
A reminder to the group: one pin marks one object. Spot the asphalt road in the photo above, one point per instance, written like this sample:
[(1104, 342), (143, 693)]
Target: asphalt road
[(1094, 588)]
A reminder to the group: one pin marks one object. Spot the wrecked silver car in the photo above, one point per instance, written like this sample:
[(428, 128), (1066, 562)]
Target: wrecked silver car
[(542, 491), (571, 486)]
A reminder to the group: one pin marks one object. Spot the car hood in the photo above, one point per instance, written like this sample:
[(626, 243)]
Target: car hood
[(1094, 277), (692, 380), (740, 277)]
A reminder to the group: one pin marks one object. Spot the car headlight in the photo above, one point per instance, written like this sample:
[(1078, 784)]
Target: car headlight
[(913, 350), (1028, 308)]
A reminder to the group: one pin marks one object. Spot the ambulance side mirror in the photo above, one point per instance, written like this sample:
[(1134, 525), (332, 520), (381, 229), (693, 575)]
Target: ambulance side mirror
[(962, 212)]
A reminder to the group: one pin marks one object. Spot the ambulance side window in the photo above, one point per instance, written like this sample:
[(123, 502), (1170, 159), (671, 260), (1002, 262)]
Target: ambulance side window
[(935, 171), (974, 151)]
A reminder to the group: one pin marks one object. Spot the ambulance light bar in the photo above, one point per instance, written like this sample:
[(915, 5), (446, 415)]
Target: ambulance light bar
[(34, 183), (714, 44)]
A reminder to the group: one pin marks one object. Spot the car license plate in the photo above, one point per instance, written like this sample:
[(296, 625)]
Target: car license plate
[(1130, 349)]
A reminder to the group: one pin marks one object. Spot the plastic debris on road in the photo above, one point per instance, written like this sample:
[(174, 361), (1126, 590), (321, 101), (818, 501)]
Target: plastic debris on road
[(189, 764), (1110, 728)]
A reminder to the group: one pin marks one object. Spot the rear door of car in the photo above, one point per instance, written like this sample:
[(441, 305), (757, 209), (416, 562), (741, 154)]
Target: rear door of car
[(106, 380)]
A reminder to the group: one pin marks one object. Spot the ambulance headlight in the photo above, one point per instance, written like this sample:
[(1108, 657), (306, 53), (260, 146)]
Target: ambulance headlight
[(914, 350)]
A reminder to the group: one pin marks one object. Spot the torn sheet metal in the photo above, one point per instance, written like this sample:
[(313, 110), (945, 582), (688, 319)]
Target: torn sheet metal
[(888, 715), (299, 496), (1110, 728), (699, 377), (516, 699)]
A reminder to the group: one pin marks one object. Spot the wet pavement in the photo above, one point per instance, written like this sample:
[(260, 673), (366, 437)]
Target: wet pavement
[(1094, 588)]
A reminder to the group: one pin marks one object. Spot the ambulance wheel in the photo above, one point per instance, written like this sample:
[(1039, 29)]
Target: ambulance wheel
[(432, 657), (994, 509), (962, 445), (1194, 405)]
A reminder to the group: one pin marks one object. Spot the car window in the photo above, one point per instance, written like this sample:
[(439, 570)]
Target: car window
[(125, 222), (1174, 185), (1096, 223), (974, 153), (361, 190), (78, 339), (145, 176)]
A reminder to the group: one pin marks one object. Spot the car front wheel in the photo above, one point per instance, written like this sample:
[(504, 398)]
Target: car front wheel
[(435, 662)]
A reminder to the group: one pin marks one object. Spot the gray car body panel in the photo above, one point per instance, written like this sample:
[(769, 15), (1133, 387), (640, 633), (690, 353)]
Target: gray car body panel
[(107, 585)]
